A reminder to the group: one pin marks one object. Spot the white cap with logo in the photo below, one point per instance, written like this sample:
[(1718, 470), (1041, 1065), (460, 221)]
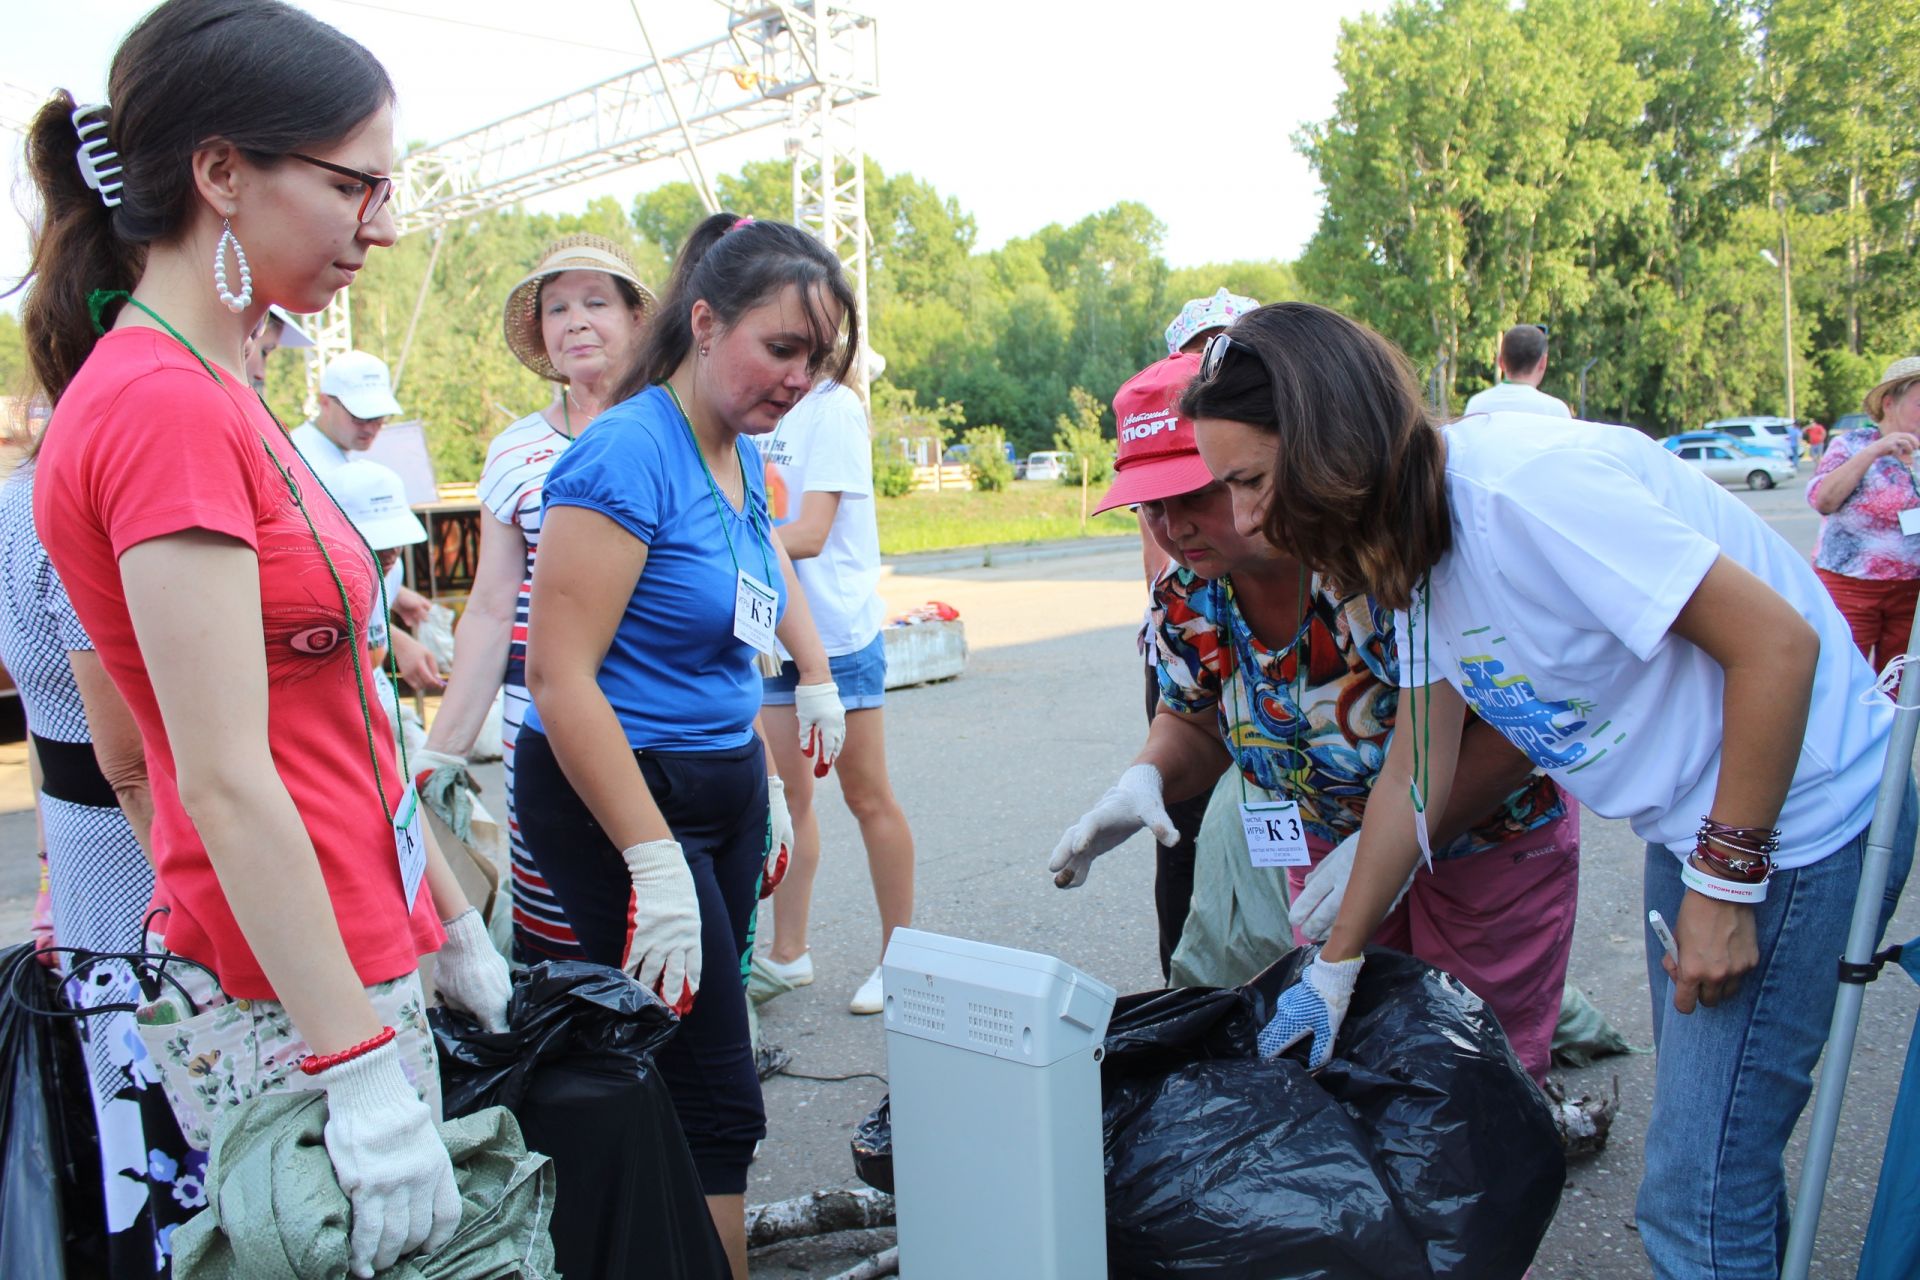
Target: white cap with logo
[(360, 382), (375, 499)]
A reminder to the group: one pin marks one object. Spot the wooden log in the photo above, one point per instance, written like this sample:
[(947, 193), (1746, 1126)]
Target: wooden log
[(837, 1209), (886, 1263)]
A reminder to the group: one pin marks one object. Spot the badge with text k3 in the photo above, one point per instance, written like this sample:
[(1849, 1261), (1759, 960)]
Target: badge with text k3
[(1275, 835), (755, 610), (410, 843)]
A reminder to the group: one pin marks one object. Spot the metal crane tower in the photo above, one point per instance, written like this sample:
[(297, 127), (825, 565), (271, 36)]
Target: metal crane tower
[(803, 64)]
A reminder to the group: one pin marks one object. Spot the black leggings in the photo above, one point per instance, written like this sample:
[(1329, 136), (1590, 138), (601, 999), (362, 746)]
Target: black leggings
[(715, 803)]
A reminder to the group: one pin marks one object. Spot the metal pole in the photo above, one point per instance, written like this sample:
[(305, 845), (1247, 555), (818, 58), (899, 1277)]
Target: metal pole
[(1786, 309), (1583, 387), (1862, 936)]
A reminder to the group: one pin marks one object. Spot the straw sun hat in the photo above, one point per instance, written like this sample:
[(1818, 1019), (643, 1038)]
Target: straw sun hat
[(568, 253), (1905, 369)]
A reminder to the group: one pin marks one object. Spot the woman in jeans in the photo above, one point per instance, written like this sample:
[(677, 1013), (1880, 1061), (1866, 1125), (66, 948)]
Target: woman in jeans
[(226, 596), (1653, 647), (1864, 484), (641, 785)]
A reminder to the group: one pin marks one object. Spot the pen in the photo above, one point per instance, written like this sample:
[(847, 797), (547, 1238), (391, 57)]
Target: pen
[(1665, 935)]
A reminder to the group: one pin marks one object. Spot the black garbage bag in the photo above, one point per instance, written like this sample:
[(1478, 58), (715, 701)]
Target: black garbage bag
[(52, 1216), (576, 1069), (873, 1147), (1422, 1151)]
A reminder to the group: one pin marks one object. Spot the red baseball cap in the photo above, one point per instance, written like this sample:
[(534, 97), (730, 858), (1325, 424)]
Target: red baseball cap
[(1158, 457)]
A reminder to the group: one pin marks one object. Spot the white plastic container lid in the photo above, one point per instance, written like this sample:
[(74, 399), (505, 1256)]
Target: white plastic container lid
[(1016, 1005)]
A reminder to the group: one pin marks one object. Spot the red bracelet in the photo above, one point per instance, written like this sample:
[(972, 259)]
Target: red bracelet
[(314, 1063)]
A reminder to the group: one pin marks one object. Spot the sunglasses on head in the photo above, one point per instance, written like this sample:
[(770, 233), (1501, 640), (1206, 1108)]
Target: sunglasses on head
[(1214, 354), (379, 190)]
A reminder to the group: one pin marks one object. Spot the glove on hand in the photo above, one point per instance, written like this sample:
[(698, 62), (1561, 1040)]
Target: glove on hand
[(823, 723), (1130, 804), (1318, 905), (663, 923), (447, 786), (471, 974), (779, 837), (1314, 1006), (389, 1160)]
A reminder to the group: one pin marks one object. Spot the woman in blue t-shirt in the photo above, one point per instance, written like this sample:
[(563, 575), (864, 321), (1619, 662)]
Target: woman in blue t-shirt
[(641, 785)]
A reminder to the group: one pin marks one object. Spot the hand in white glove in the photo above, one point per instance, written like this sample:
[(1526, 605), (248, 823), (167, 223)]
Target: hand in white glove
[(389, 1160), (1315, 909), (823, 723), (447, 786), (1130, 804), (663, 947), (471, 974), (779, 837), (1313, 1007)]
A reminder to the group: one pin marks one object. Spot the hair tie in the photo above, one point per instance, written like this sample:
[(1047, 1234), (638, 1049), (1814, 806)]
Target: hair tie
[(99, 162), (741, 222)]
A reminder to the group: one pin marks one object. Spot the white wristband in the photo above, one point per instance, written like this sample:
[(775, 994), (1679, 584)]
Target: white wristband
[(1725, 890)]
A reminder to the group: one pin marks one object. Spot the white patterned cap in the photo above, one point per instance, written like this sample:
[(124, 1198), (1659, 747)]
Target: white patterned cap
[(1202, 314)]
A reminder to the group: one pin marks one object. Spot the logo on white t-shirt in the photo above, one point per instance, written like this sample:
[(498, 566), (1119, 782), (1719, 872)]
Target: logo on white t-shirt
[(1538, 727)]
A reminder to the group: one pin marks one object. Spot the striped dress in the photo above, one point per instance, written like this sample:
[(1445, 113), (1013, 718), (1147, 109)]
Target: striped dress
[(510, 488)]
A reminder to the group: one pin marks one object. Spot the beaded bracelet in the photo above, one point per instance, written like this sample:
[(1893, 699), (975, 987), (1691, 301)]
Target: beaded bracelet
[(314, 1063)]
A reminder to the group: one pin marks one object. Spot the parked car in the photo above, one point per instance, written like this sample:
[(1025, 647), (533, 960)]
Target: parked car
[(964, 452), (1048, 464), (1730, 464), (1777, 432), (1768, 445), (1847, 422)]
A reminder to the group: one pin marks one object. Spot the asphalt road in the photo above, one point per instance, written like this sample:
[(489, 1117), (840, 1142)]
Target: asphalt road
[(992, 767)]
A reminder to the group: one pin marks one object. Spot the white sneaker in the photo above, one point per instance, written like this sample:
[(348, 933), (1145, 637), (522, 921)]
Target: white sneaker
[(767, 977), (869, 998)]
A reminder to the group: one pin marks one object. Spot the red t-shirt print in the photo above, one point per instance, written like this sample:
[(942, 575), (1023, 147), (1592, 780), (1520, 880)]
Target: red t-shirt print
[(145, 444)]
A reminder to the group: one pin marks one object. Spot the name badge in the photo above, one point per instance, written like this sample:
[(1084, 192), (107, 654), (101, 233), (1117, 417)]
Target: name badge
[(755, 610), (1275, 834), (410, 845), (1910, 521)]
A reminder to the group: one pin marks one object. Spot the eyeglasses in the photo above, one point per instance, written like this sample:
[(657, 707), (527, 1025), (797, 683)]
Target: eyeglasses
[(1214, 354), (379, 190)]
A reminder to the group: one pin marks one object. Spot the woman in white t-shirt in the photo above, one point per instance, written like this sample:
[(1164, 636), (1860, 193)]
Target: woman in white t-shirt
[(575, 320), (820, 492), (1654, 648)]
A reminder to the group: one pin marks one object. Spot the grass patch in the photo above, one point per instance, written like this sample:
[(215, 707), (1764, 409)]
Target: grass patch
[(1029, 511)]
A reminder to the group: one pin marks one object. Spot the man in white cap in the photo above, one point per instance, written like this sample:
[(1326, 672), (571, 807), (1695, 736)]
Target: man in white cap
[(375, 499), (356, 399)]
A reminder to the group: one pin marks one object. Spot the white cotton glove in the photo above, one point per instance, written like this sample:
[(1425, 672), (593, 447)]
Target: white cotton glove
[(447, 786), (823, 723), (1313, 1007), (779, 838), (1130, 804), (663, 939), (389, 1160), (471, 974), (1314, 910)]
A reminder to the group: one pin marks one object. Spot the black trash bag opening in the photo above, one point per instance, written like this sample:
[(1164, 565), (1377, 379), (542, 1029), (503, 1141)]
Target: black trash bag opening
[(873, 1147), (1421, 1150), (576, 1068)]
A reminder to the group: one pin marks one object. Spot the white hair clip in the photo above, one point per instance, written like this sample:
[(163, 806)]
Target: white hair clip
[(99, 163)]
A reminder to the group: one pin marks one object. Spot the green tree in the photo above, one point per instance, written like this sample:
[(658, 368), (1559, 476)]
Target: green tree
[(1082, 432), (15, 379), (987, 458)]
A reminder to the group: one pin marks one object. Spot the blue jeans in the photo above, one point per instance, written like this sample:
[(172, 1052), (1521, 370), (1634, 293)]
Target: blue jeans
[(1731, 1081), (861, 677)]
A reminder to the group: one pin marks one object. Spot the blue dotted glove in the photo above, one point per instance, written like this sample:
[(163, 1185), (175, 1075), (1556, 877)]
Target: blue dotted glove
[(1313, 1007)]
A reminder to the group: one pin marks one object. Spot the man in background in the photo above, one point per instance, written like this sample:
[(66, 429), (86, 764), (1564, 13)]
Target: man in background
[(356, 399), (1523, 363)]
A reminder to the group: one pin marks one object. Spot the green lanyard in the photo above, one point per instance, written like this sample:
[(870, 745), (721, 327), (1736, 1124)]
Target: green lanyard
[(1423, 731), (720, 503), (98, 301), (1300, 647)]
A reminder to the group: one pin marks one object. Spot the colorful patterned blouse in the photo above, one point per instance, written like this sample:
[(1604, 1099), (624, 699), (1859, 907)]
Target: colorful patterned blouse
[(1319, 737), (1863, 539)]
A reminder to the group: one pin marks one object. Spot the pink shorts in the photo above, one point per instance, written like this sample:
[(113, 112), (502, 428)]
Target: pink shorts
[(1501, 921)]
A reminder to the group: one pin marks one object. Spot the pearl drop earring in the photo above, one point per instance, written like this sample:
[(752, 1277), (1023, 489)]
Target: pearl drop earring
[(235, 303)]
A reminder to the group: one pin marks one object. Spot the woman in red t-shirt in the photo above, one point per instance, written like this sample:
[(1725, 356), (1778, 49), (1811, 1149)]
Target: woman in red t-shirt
[(228, 595)]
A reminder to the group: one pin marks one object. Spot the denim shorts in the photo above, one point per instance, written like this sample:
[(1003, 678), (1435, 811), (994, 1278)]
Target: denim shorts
[(861, 677)]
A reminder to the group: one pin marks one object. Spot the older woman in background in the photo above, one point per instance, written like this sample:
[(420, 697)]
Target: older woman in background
[(1864, 485)]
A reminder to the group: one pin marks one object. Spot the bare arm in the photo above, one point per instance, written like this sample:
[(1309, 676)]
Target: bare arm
[(806, 533), (1187, 750), (588, 569), (1828, 493), (1388, 848), (481, 641), (1490, 770), (116, 744), (796, 629), (198, 593)]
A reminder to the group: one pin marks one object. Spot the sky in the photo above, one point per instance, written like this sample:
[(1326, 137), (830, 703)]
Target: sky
[(1026, 111)]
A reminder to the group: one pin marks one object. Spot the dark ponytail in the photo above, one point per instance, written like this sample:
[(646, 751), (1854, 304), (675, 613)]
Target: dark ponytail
[(258, 73), (735, 266)]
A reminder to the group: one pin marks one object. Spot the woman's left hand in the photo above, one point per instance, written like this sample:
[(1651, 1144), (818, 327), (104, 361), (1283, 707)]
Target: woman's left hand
[(823, 723), (779, 837), (1717, 947)]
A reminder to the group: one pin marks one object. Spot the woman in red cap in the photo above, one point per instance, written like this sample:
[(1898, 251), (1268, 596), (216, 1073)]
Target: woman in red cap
[(1264, 668)]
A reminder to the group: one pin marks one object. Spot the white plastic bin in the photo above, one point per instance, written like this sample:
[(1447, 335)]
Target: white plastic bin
[(993, 1062)]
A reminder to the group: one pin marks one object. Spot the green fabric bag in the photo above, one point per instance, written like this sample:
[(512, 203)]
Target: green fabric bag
[(1237, 925), (275, 1211)]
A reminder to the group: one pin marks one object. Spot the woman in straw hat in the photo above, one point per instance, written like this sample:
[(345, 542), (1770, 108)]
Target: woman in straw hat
[(575, 320), (1864, 484)]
